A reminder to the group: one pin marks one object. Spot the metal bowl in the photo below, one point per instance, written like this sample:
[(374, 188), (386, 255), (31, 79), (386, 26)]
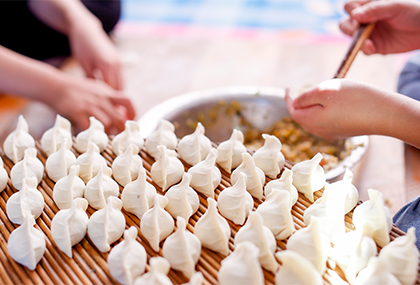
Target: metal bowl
[(260, 108)]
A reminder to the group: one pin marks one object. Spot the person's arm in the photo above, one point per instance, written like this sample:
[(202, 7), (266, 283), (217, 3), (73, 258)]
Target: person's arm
[(341, 108)]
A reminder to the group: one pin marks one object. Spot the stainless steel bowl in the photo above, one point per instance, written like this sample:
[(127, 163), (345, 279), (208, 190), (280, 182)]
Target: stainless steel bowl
[(260, 108)]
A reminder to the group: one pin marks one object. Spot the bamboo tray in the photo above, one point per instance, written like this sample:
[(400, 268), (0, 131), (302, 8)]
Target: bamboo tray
[(89, 266)]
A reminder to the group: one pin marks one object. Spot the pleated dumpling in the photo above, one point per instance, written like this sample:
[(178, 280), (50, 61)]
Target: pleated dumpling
[(90, 162), (195, 147), (127, 260), (309, 176), (205, 175), (255, 232), (376, 272), (182, 199), (163, 135), (4, 177), (18, 141), (374, 212), (58, 163), (126, 166), (29, 166), (69, 226), (107, 225), (345, 190), (269, 157), (285, 182), (100, 187), (95, 134), (196, 279), (130, 135), (241, 266), (52, 139), (26, 245), (182, 249), (68, 188), (159, 268), (168, 169), (213, 230), (255, 176), (229, 153)]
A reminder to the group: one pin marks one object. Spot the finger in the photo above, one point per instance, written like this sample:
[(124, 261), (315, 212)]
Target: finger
[(306, 99), (369, 47), (116, 119), (348, 25), (112, 74), (375, 11), (351, 5), (127, 104)]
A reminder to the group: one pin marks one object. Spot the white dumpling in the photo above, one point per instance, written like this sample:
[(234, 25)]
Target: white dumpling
[(235, 202), (29, 166), (276, 214), (138, 196), (17, 141), (269, 157), (100, 187), (58, 163), (69, 226), (90, 162), (376, 272), (95, 134), (309, 176), (156, 224), (182, 199), (213, 230), (296, 269), (130, 135), (229, 153), (255, 232), (346, 190), (163, 135), (52, 139), (241, 266), (402, 256), (159, 268), (168, 169), (196, 279), (26, 245), (285, 182), (255, 176), (28, 199), (68, 188), (195, 147), (126, 166), (205, 175), (127, 260), (107, 225), (374, 212), (4, 177), (182, 249)]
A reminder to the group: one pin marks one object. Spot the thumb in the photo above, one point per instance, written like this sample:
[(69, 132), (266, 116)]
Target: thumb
[(375, 11)]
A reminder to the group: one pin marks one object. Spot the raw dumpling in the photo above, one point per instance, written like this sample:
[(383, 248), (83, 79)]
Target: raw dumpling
[(241, 266), (229, 153), (376, 272), (285, 182), (138, 196), (163, 135), (52, 139), (4, 177), (196, 279), (68, 188), (58, 163), (235, 202), (156, 224), (182, 199), (26, 244), (195, 147), (255, 232), (255, 176), (28, 199), (159, 268), (130, 135), (29, 166), (213, 230), (182, 249), (269, 157), (127, 260), (90, 162), (205, 175), (345, 189), (168, 169), (126, 166), (107, 225), (69, 226), (100, 187), (276, 215), (17, 141), (309, 176), (95, 134)]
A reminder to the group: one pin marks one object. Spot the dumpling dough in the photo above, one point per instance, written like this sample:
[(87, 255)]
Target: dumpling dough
[(4, 177), (29, 166), (309, 176), (100, 187), (69, 226), (345, 190), (163, 135), (90, 162), (182, 249), (168, 169), (285, 182), (376, 272), (17, 141), (159, 268), (126, 166), (68, 188), (196, 279), (52, 139), (58, 163), (130, 135), (127, 260), (255, 176), (205, 175), (241, 266), (195, 147), (269, 157), (95, 134), (229, 153)]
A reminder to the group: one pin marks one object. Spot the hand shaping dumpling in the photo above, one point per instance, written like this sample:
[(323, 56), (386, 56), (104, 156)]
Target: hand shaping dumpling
[(269, 157), (90, 162), (17, 141), (52, 139), (130, 135), (126, 166), (159, 268), (255, 176), (100, 187), (376, 272), (168, 169), (4, 177), (68, 188), (95, 134), (229, 153), (285, 182), (163, 135), (29, 166), (195, 147), (58, 163)]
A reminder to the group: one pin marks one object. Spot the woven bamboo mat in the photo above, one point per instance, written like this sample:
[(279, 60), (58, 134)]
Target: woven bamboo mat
[(89, 266)]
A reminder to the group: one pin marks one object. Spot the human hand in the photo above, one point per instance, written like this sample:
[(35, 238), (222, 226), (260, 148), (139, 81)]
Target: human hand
[(397, 24)]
